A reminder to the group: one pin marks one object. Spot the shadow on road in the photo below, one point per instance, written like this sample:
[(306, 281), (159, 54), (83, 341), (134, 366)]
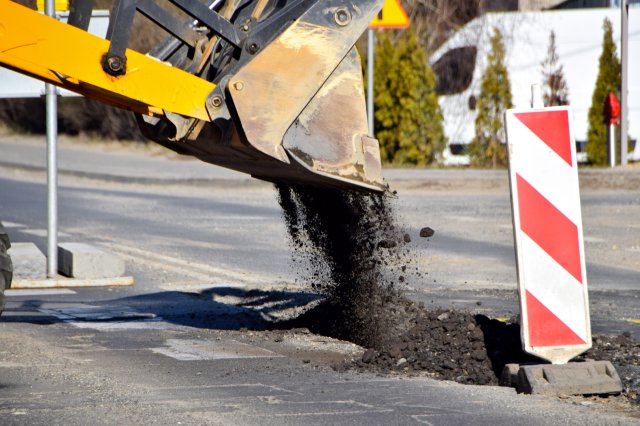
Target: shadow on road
[(224, 308)]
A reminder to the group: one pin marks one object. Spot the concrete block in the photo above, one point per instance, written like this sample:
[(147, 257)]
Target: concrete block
[(28, 261), (80, 260), (574, 378), (509, 376)]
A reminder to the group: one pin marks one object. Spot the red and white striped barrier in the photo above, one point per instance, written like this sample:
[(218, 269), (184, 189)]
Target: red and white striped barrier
[(547, 221)]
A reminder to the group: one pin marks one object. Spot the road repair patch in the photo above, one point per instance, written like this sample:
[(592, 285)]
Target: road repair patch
[(204, 350)]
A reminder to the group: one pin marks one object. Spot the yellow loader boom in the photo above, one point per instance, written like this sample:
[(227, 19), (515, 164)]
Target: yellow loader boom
[(71, 58), (272, 88)]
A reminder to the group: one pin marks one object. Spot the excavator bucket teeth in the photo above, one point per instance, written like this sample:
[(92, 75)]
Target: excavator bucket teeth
[(329, 137), (327, 144)]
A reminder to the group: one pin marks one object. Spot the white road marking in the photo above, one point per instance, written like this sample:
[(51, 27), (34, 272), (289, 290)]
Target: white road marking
[(199, 271), (239, 217), (272, 388), (588, 239), (466, 218), (42, 233), (109, 318), (40, 292), (336, 412), (201, 350), (101, 313), (150, 324), (13, 224), (201, 287), (419, 418)]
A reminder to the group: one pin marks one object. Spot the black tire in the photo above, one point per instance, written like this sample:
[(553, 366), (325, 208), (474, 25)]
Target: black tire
[(6, 267)]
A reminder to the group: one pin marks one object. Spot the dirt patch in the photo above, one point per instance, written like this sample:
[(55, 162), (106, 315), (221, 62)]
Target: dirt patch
[(472, 349)]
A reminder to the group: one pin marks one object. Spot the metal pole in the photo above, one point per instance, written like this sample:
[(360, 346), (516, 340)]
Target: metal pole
[(52, 168), (371, 36), (624, 80), (536, 97), (612, 145)]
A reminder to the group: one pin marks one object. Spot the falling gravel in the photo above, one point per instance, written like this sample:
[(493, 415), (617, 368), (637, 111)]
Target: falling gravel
[(347, 246)]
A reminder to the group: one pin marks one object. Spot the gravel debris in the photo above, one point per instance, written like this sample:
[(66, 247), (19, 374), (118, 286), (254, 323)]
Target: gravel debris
[(427, 232)]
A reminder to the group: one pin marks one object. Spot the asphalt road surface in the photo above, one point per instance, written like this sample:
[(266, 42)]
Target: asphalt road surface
[(193, 343)]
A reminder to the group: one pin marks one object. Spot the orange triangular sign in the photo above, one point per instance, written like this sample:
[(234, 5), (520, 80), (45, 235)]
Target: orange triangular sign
[(392, 15)]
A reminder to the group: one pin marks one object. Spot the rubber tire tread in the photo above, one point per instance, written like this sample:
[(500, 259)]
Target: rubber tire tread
[(6, 266)]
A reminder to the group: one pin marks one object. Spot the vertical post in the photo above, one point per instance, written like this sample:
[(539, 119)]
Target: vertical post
[(624, 80), (611, 139), (52, 168), (371, 36), (536, 97)]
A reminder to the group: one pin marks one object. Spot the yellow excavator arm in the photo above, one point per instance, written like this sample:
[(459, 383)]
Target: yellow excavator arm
[(272, 88), (71, 58)]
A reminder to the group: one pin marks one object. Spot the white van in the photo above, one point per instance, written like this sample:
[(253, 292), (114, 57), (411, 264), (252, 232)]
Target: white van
[(460, 62)]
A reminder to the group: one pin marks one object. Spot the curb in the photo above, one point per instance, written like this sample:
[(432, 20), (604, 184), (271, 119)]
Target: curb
[(227, 183), (22, 284)]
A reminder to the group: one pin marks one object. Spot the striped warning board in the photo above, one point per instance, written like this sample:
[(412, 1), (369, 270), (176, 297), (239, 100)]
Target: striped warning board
[(547, 223)]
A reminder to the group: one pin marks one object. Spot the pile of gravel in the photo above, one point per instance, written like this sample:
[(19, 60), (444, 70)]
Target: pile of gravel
[(450, 345), (473, 349)]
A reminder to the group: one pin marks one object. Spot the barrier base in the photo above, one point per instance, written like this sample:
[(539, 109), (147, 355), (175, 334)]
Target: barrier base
[(574, 378)]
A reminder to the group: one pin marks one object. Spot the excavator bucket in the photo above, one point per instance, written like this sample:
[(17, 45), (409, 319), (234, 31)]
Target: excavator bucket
[(294, 111), (272, 88)]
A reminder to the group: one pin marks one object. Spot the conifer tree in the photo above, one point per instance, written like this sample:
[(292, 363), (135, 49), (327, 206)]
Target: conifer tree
[(608, 81), (555, 88), (408, 120), (488, 147), (385, 116)]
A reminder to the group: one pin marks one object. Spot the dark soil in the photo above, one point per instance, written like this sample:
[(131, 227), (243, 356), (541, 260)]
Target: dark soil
[(348, 246), (624, 353), (467, 348)]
